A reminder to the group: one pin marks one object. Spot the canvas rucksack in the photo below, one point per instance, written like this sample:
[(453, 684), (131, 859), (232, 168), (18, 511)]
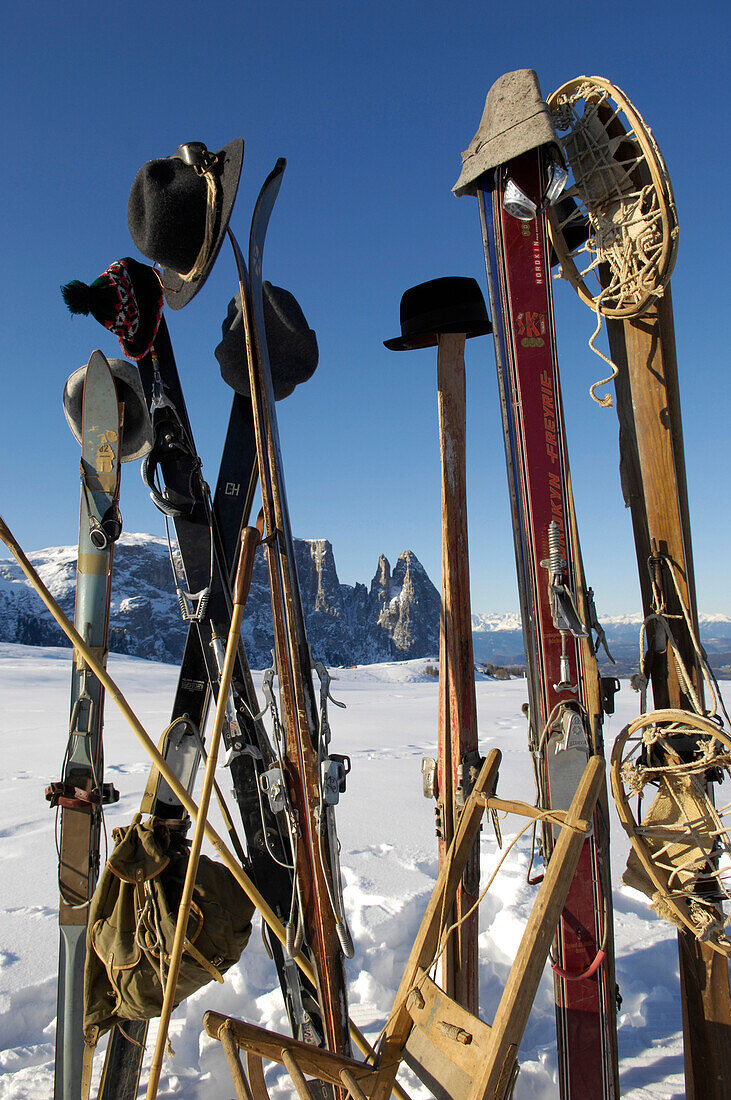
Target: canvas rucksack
[(131, 928)]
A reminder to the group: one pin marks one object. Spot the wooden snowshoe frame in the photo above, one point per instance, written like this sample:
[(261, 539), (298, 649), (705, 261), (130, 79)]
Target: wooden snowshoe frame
[(457, 1055), (678, 832), (622, 194)]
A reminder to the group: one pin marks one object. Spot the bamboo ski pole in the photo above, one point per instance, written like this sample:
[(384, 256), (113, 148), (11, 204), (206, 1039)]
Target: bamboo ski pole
[(190, 806), (250, 538)]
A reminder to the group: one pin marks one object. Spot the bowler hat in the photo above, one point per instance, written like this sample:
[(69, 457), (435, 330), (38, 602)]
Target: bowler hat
[(136, 429), (178, 213), (451, 304), (291, 343)]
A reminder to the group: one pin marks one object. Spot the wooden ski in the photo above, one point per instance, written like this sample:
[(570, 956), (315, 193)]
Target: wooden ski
[(652, 468), (620, 179), (81, 793), (307, 782)]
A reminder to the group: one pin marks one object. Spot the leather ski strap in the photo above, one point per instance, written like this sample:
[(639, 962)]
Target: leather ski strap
[(91, 1037)]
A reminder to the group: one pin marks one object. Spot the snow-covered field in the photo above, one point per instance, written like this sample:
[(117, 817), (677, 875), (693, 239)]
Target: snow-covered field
[(389, 860)]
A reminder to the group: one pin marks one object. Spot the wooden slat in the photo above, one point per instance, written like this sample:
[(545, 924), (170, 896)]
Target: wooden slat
[(268, 1044), (457, 700), (255, 1073), (448, 1044), (516, 1002), (399, 1022)]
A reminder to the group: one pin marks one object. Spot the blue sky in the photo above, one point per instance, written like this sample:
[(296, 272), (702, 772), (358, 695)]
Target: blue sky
[(371, 103)]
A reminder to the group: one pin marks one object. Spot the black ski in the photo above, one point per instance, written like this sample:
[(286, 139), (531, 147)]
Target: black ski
[(207, 537)]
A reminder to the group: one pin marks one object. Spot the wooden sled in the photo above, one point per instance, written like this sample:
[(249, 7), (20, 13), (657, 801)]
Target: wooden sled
[(453, 1052)]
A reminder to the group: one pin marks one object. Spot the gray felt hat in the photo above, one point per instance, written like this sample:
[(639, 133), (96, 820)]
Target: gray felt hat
[(515, 120), (136, 431)]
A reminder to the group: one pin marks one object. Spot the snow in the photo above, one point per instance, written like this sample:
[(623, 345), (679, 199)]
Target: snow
[(389, 858)]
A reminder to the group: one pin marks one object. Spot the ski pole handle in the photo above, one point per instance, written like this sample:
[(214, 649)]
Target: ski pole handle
[(250, 539)]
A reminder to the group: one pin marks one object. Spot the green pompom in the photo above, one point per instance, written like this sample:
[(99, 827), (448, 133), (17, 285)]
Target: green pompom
[(77, 297)]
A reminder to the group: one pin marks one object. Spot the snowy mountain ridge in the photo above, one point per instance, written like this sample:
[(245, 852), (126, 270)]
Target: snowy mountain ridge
[(394, 617)]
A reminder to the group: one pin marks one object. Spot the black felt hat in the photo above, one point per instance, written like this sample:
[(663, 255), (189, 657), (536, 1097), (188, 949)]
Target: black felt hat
[(178, 212), (450, 304), (126, 299), (291, 343)]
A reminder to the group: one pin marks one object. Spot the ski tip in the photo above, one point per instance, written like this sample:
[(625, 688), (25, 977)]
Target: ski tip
[(276, 173)]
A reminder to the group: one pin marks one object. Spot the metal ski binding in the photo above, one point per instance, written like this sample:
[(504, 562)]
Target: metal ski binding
[(305, 1024), (272, 784), (193, 605), (595, 627), (565, 615), (568, 732), (333, 770), (467, 773), (429, 780), (609, 686), (267, 689), (104, 529), (564, 683), (168, 434), (566, 618)]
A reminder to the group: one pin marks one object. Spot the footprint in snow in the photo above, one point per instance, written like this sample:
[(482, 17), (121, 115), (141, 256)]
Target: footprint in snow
[(128, 769), (35, 912), (26, 828), (372, 850)]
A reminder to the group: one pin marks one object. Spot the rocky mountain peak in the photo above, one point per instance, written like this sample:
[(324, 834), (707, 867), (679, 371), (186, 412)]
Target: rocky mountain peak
[(398, 618)]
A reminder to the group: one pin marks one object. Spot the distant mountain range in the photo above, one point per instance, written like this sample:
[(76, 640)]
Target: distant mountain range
[(394, 617), (498, 640)]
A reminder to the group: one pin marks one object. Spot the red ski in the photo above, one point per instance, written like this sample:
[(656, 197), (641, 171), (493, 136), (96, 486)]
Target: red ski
[(512, 177)]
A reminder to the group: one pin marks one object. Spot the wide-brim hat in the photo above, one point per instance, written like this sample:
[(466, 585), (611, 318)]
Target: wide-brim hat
[(178, 212), (515, 120), (292, 344), (450, 304), (126, 298), (136, 428)]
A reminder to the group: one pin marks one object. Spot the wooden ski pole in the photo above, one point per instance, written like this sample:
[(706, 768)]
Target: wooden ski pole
[(445, 313), (250, 539), (115, 694), (457, 700)]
